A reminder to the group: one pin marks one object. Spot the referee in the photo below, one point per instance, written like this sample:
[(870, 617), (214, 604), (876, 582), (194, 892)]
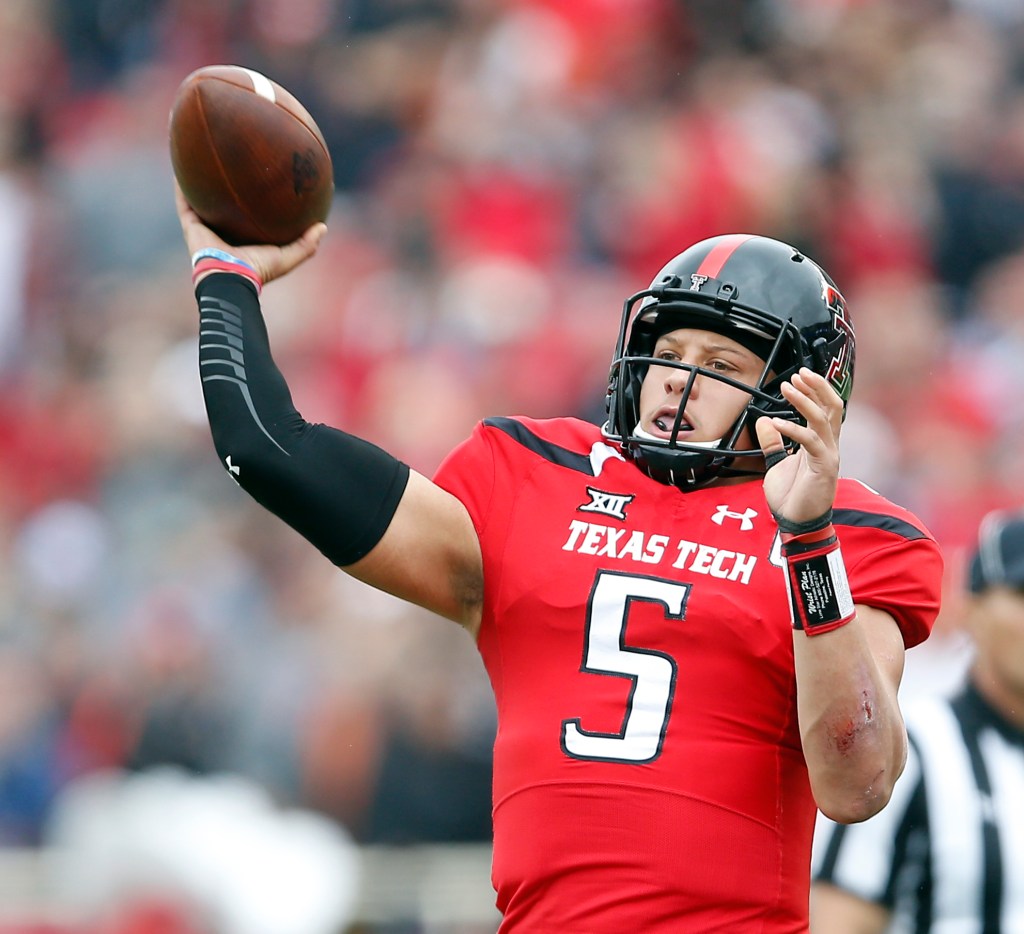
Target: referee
[(946, 855)]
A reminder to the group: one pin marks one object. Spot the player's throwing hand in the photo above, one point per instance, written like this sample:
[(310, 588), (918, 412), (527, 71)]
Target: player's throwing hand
[(268, 262)]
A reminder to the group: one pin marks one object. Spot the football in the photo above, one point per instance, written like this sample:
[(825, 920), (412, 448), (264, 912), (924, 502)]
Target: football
[(248, 156)]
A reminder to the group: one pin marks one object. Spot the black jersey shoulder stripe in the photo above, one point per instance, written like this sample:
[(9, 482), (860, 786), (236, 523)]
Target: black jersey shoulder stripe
[(554, 453), (878, 520)]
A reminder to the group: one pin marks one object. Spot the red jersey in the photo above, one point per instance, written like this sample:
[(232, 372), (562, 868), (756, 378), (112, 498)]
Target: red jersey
[(648, 774)]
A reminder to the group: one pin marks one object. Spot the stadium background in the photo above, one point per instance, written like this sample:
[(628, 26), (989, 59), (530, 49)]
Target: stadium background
[(507, 172)]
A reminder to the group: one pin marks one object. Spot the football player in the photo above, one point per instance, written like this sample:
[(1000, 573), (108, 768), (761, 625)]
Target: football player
[(694, 629)]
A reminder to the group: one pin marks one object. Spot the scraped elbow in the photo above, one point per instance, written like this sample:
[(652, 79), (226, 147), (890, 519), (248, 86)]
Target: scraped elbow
[(856, 805)]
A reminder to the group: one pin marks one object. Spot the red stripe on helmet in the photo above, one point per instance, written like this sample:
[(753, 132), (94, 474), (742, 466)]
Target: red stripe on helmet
[(720, 253)]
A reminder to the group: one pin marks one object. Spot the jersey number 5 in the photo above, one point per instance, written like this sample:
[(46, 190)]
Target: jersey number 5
[(653, 673)]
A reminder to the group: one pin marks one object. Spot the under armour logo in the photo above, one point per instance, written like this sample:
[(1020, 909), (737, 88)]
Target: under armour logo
[(745, 518), (696, 281), (233, 469), (608, 504)]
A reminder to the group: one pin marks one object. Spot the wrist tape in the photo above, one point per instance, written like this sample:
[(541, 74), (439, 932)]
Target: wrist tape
[(788, 526), (819, 591)]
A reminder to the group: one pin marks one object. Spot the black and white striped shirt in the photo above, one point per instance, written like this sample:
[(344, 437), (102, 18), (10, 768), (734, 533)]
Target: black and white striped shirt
[(946, 855)]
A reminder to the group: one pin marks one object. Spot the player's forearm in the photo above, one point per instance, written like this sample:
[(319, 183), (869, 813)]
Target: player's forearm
[(853, 736), (338, 491)]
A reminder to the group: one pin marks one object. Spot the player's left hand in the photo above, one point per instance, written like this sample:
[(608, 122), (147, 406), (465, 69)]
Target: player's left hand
[(801, 487)]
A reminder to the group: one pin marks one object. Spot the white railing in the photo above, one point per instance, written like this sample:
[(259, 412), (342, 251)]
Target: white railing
[(441, 887)]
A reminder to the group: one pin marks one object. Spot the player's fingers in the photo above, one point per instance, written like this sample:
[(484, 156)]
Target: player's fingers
[(825, 394), (298, 250), (816, 437), (314, 234), (770, 441), (274, 262), (197, 235), (804, 435), (818, 403), (186, 215), (820, 456), (797, 394)]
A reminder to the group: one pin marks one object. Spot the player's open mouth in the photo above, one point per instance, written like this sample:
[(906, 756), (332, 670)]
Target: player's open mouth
[(664, 422)]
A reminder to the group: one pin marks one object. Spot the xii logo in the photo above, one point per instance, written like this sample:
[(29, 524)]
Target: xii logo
[(608, 504)]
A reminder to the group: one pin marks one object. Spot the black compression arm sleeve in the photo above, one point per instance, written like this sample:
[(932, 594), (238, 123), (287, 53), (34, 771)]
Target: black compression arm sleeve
[(336, 490)]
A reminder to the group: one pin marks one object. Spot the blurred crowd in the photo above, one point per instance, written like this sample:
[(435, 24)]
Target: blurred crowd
[(507, 172)]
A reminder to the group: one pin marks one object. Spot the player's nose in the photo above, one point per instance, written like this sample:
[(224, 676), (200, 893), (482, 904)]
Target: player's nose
[(677, 380)]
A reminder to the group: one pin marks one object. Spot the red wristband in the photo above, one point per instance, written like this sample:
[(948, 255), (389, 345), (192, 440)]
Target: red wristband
[(819, 591), (206, 265)]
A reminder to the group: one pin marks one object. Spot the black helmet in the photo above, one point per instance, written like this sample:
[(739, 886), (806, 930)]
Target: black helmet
[(760, 292)]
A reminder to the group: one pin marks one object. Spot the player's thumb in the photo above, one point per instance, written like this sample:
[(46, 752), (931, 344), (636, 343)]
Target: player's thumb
[(308, 243), (769, 439)]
